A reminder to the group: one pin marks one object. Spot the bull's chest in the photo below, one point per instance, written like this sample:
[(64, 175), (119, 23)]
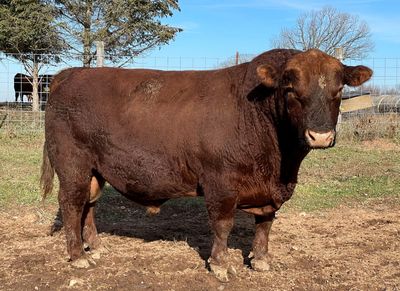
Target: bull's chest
[(269, 181), (263, 196)]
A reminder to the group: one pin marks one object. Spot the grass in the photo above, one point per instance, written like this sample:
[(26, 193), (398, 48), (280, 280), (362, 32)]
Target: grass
[(20, 160), (349, 173), (21, 121)]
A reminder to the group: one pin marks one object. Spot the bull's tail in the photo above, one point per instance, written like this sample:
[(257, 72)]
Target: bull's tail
[(47, 174)]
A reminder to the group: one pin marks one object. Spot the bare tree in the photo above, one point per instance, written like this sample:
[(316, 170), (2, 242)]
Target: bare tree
[(327, 29)]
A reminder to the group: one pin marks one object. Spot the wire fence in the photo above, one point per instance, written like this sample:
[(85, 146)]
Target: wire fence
[(374, 100)]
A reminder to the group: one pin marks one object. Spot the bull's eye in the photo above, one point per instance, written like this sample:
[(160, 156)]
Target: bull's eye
[(338, 95), (292, 95)]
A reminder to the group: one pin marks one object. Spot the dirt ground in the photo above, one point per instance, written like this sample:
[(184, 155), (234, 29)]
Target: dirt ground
[(347, 248)]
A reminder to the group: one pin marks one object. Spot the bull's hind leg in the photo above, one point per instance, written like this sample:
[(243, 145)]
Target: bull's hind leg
[(89, 231), (72, 199), (74, 172), (261, 259)]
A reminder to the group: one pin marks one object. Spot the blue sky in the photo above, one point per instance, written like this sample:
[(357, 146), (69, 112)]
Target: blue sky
[(220, 28), (215, 30)]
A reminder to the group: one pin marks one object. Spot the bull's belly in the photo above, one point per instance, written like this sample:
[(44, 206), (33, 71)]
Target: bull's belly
[(147, 183)]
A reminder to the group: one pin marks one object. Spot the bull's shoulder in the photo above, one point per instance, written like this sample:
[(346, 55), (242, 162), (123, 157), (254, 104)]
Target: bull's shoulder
[(275, 57)]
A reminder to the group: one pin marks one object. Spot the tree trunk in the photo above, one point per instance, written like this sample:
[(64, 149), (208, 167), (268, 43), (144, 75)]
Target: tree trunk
[(35, 85), (87, 42)]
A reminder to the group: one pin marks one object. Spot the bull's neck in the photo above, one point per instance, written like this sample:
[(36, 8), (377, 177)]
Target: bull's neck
[(275, 137), (292, 150), (267, 116)]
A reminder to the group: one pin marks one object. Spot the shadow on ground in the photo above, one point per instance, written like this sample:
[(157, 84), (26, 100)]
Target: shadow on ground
[(182, 219)]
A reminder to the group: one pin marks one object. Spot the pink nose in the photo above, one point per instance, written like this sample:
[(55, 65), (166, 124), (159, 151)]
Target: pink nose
[(320, 139)]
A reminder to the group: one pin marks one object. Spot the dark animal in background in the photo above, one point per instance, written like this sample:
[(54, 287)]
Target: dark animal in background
[(23, 86), (236, 136), (44, 89)]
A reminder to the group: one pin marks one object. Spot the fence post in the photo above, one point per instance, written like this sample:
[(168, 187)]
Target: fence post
[(339, 53), (99, 53), (339, 56)]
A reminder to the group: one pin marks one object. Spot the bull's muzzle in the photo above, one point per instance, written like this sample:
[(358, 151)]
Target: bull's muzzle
[(320, 140)]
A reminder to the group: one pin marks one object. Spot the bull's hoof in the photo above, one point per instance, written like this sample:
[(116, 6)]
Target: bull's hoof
[(260, 265), (83, 263), (220, 272), (80, 263)]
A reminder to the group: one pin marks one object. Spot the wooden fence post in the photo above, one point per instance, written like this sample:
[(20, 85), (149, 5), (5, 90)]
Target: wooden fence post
[(99, 53)]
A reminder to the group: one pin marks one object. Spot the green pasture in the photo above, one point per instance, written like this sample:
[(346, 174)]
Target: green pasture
[(352, 172)]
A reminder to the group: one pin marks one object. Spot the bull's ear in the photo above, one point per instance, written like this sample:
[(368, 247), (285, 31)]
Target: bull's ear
[(268, 75), (355, 76)]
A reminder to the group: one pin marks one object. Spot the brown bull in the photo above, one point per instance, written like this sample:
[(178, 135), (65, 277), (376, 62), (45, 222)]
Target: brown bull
[(236, 136)]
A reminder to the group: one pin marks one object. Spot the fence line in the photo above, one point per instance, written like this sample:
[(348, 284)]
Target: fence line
[(384, 87)]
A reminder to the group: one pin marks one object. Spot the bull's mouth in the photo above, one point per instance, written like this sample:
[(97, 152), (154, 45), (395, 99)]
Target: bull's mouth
[(320, 140)]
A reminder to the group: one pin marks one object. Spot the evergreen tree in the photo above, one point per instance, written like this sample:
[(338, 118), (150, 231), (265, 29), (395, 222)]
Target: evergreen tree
[(127, 27), (28, 34)]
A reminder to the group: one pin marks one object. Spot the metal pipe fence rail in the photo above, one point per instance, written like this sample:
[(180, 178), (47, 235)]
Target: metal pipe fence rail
[(383, 88)]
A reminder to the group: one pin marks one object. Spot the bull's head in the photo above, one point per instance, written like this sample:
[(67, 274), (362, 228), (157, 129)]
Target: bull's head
[(311, 84)]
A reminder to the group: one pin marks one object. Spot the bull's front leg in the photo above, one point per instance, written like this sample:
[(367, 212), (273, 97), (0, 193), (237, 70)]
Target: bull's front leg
[(221, 208), (260, 257)]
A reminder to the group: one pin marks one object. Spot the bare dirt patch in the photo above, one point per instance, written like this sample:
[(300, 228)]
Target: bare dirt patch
[(347, 248)]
